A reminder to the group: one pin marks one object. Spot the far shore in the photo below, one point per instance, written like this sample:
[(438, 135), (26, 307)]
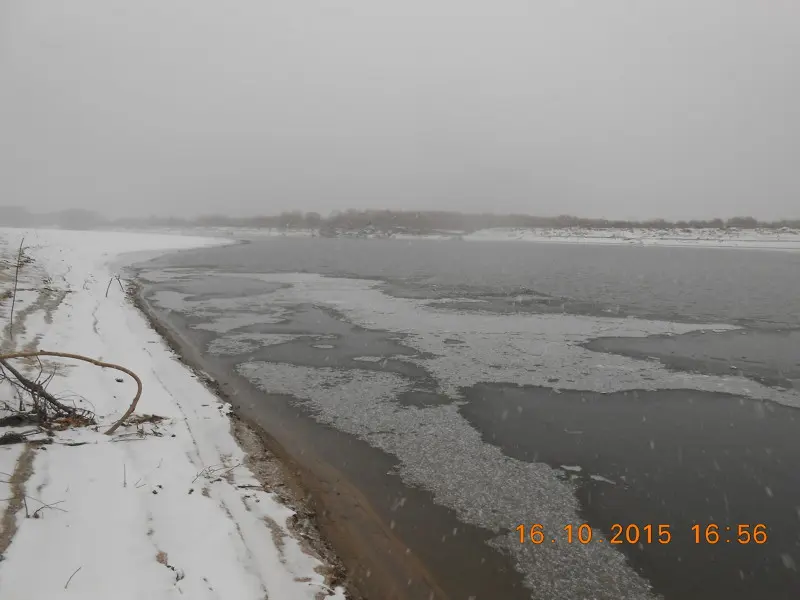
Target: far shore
[(759, 238)]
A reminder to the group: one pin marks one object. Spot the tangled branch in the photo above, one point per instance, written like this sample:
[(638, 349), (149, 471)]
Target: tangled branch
[(38, 389)]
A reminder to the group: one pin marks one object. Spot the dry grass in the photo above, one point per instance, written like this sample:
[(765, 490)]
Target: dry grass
[(141, 419)]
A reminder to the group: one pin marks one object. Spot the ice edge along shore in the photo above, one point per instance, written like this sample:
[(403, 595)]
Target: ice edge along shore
[(161, 509)]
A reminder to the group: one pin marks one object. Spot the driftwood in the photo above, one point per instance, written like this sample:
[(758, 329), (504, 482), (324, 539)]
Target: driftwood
[(38, 389)]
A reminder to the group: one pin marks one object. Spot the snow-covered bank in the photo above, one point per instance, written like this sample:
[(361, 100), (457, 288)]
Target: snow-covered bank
[(227, 232), (768, 239), (780, 239), (166, 507), (254, 233)]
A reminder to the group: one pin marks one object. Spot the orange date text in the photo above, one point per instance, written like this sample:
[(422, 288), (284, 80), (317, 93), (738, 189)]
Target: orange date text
[(585, 534), (649, 533)]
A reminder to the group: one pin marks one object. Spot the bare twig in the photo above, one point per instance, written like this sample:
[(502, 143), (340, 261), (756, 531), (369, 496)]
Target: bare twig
[(110, 281), (41, 368), (16, 282), (158, 466), (73, 575), (53, 506), (215, 471)]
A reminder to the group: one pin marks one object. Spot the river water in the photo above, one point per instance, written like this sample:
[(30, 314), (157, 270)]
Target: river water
[(462, 389)]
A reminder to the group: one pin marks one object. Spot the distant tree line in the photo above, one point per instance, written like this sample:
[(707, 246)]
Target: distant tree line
[(379, 220), (428, 221)]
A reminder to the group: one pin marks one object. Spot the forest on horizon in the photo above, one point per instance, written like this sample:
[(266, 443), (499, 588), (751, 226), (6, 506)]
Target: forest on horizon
[(379, 220)]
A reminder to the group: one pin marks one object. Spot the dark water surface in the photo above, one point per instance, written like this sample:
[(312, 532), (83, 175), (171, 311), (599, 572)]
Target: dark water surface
[(684, 458), (676, 283), (537, 398)]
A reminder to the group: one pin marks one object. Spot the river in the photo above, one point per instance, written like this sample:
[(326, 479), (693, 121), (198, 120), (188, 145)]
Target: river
[(438, 395)]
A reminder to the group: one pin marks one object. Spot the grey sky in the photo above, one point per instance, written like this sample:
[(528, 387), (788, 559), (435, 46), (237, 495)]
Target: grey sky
[(619, 108)]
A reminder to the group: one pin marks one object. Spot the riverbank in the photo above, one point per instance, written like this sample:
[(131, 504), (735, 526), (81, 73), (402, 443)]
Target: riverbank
[(761, 238), (168, 505), (773, 239)]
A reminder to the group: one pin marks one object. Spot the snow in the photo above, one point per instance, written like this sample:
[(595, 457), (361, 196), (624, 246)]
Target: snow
[(572, 468), (226, 232), (765, 239), (602, 479), (760, 239), (369, 359), (160, 510)]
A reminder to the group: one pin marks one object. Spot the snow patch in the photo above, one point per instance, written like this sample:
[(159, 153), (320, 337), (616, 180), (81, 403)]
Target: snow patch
[(767, 239)]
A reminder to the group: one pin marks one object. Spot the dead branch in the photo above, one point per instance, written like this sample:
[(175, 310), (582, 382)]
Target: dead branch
[(16, 283), (52, 506), (134, 376), (36, 388), (73, 575), (110, 281)]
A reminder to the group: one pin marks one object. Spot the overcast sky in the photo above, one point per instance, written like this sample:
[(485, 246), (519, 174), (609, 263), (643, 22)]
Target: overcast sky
[(617, 108)]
